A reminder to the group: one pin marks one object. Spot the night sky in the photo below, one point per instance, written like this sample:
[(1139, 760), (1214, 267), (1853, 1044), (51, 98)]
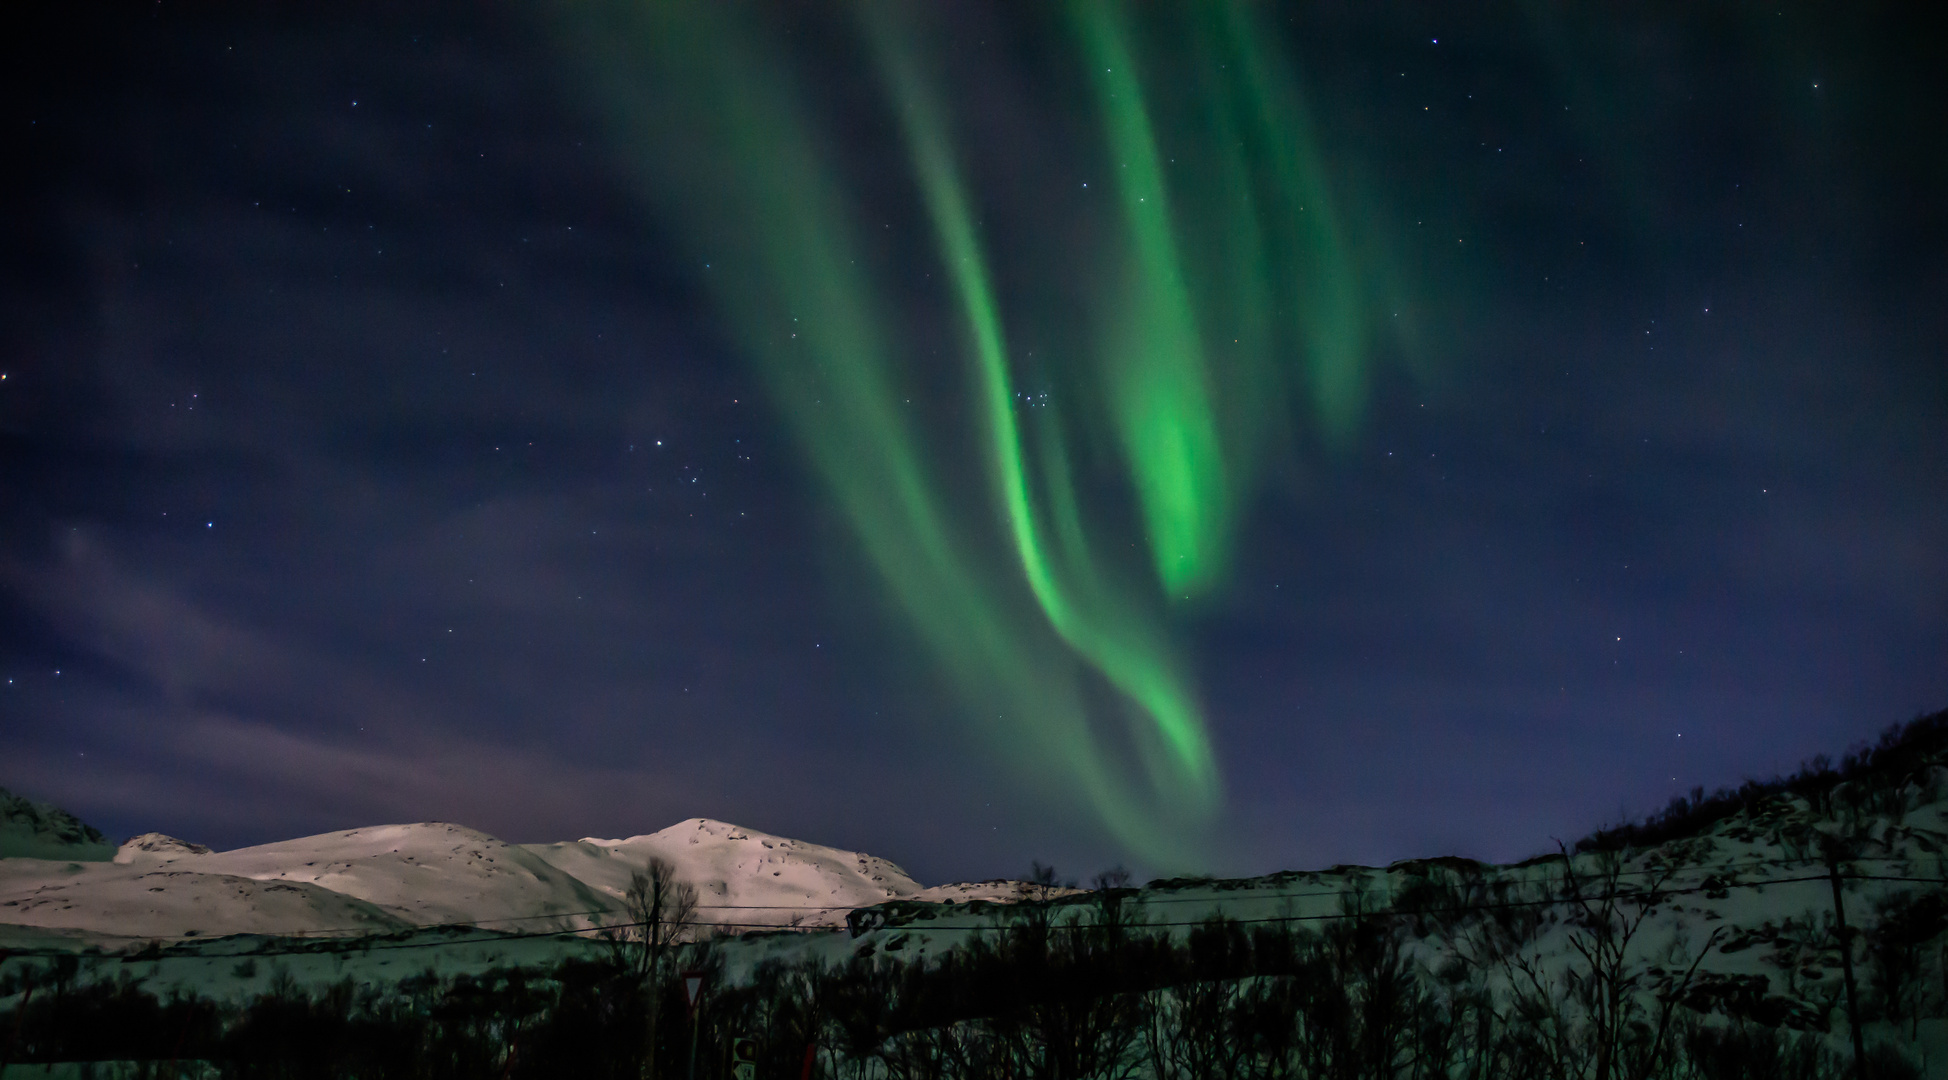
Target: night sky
[(1220, 439)]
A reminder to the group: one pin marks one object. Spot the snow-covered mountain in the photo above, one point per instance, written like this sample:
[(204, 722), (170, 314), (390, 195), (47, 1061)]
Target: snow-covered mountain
[(744, 878), (360, 881), (391, 878)]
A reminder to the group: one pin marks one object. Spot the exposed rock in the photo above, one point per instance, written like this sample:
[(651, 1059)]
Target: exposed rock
[(158, 846)]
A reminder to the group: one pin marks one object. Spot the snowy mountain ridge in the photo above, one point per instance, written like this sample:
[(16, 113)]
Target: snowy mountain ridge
[(390, 878)]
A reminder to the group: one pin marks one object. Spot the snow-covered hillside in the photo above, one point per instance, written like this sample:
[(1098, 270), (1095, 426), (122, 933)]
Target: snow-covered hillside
[(744, 878), (1725, 910), (36, 830), (379, 879)]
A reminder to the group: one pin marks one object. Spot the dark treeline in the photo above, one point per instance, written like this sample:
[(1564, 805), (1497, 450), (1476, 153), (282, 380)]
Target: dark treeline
[(1100, 997), (1051, 995), (579, 1019)]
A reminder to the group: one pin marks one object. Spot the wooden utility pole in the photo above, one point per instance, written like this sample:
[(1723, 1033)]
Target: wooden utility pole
[(1846, 963)]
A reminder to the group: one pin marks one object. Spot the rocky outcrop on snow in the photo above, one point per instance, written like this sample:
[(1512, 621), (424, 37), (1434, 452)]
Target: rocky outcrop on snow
[(155, 846)]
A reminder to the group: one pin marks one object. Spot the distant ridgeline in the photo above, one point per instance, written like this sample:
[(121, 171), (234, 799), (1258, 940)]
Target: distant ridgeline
[(1795, 929), (1903, 755), (38, 831)]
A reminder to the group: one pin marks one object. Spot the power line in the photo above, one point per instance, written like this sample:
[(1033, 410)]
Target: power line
[(1243, 894), (1079, 897), (353, 945), (1246, 893)]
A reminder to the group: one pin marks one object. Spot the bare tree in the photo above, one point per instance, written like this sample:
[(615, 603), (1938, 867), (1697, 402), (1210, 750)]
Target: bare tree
[(1044, 882), (662, 911), (1607, 920), (1113, 878), (1113, 919)]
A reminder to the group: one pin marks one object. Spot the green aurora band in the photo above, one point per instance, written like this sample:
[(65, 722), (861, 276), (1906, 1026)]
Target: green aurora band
[(1215, 298)]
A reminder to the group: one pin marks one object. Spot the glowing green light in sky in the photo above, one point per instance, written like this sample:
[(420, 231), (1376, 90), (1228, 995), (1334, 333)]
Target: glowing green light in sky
[(1089, 621), (1179, 309), (1153, 361)]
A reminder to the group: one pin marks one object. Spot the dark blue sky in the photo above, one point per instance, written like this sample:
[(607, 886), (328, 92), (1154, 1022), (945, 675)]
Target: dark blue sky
[(370, 452)]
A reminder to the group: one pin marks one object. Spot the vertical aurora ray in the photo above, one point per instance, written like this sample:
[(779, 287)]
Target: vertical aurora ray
[(1153, 360), (1088, 619), (1326, 311), (1211, 301)]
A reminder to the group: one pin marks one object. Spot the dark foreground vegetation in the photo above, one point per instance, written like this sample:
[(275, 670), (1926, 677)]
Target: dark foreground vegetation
[(1041, 999), (1446, 980)]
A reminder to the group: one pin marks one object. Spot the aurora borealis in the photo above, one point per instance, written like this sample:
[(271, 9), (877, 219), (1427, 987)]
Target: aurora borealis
[(1213, 437), (1211, 303)]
